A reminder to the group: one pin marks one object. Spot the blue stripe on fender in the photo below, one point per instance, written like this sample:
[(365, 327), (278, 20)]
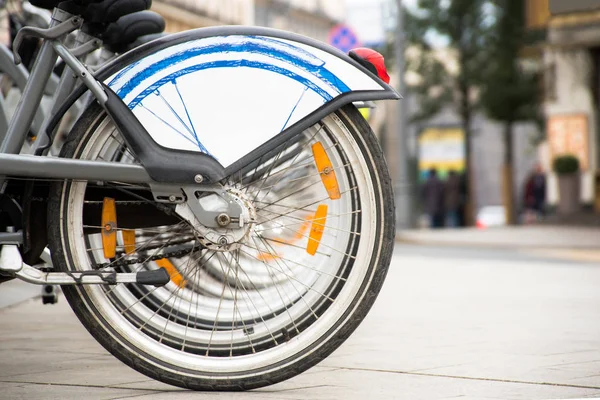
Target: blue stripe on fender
[(316, 67), (229, 64)]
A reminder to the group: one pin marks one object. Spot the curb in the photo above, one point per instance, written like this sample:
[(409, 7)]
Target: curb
[(490, 245)]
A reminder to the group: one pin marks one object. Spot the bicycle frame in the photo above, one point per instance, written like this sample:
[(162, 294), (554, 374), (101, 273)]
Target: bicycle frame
[(12, 141)]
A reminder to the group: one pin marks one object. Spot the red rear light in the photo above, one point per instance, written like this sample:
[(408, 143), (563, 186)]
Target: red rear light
[(371, 60)]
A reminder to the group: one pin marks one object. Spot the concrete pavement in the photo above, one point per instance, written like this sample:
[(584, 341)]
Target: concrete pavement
[(449, 323)]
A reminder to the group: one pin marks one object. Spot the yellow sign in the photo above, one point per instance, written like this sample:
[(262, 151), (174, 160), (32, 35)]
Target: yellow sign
[(442, 149), (568, 134)]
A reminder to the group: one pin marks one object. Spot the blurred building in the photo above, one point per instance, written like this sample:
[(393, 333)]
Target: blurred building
[(313, 18), (568, 45), (487, 146), (181, 15)]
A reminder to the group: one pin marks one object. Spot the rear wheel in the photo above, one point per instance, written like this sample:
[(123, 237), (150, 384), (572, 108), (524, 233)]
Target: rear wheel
[(287, 295)]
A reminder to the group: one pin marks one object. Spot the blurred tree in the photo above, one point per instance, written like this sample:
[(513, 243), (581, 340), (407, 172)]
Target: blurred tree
[(464, 27), (510, 93)]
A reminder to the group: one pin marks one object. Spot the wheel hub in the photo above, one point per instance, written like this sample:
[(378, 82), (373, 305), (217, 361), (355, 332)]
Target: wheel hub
[(229, 232)]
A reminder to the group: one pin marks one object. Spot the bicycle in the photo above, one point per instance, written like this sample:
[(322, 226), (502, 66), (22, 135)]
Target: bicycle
[(106, 35), (221, 216)]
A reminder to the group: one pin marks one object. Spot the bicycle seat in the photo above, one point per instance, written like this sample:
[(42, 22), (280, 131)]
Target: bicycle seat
[(97, 11), (127, 29)]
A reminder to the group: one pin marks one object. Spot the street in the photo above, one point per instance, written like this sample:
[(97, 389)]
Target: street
[(451, 322)]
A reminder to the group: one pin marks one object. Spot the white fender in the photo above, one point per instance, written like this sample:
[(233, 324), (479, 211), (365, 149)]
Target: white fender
[(227, 95)]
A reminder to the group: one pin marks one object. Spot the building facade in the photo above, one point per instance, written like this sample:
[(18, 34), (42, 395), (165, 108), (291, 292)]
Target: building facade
[(569, 53), (312, 18)]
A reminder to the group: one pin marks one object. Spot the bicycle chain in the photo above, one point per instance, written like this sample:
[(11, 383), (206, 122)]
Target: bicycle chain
[(122, 262)]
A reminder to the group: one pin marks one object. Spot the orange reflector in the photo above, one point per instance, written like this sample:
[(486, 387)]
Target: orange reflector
[(173, 273), (316, 229), (326, 170), (129, 240), (109, 227), (298, 235)]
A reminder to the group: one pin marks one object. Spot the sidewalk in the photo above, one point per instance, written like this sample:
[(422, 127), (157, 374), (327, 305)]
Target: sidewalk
[(442, 328), (542, 237)]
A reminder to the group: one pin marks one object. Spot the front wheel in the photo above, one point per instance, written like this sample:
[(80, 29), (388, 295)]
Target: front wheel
[(280, 301)]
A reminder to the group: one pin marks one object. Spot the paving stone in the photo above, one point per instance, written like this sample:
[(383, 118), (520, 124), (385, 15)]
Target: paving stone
[(442, 328)]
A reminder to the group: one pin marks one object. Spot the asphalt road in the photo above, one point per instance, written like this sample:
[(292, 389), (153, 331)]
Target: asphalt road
[(451, 322)]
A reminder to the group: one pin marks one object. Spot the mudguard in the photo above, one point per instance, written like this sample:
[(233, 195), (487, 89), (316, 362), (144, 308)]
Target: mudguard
[(235, 92)]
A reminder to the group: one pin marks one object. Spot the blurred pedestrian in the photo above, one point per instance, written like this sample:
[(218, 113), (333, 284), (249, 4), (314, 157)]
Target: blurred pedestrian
[(462, 208), (433, 199), (535, 195), (453, 199)]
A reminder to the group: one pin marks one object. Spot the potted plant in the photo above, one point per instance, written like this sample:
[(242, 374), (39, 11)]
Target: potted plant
[(566, 168)]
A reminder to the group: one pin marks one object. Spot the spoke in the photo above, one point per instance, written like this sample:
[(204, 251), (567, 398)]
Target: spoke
[(233, 327), (219, 307), (302, 221), (318, 174), (193, 129), (153, 290), (295, 161), (246, 330), (159, 309), (157, 236), (294, 108), (141, 264), (285, 305), (187, 322), (284, 148), (168, 318), (283, 273), (254, 305), (301, 296), (123, 151), (178, 290), (302, 265), (293, 245), (288, 276), (293, 166), (291, 194), (306, 206), (197, 298), (115, 134), (234, 308), (183, 135), (323, 244), (144, 296), (187, 128)]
